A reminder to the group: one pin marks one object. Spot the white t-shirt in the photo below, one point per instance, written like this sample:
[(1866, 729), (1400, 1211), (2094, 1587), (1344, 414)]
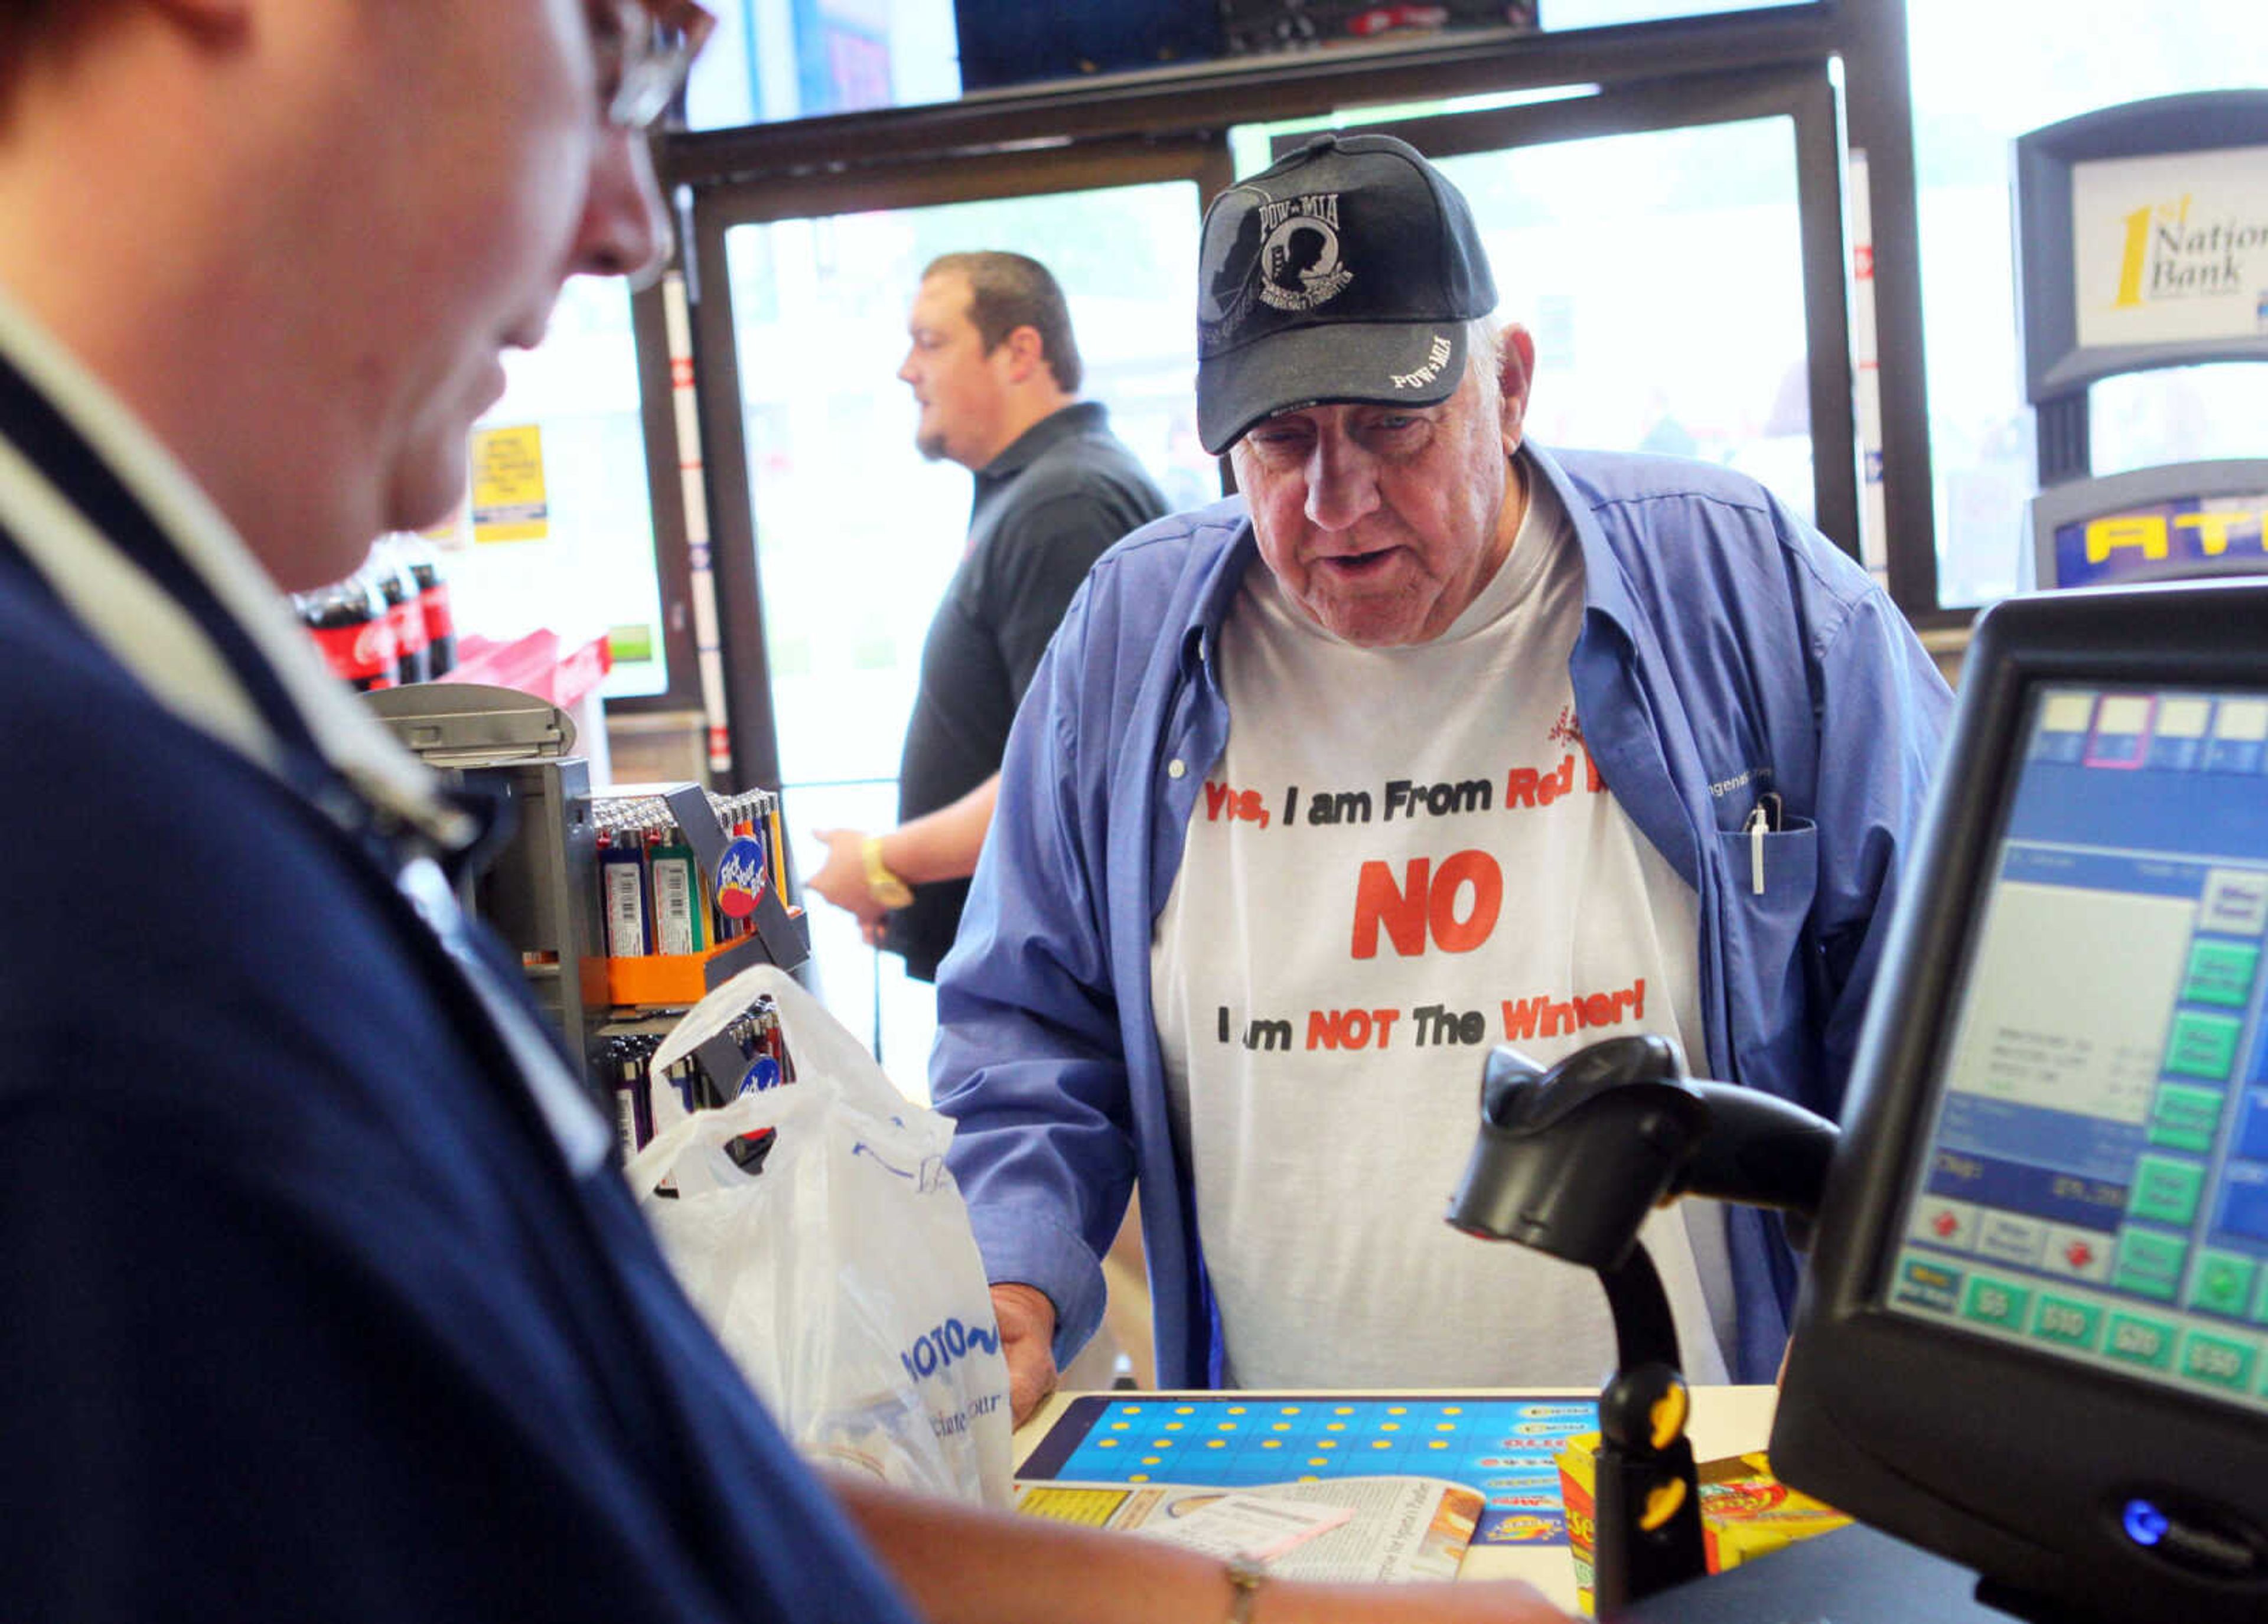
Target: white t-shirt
[(1401, 859)]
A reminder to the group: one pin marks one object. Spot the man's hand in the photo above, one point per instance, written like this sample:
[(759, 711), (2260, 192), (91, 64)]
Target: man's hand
[(841, 880), (1028, 1335)]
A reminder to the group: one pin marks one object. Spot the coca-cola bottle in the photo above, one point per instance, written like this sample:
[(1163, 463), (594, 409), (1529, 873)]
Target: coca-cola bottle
[(425, 560), (389, 571), (353, 631)]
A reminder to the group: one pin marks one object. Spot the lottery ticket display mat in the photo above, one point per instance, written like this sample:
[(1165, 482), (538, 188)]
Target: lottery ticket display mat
[(1501, 1445)]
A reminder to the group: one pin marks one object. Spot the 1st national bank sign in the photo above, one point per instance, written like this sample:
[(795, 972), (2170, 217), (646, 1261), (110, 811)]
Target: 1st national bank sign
[(2171, 248)]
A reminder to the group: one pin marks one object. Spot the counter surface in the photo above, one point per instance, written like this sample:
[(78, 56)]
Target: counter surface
[(1727, 1420)]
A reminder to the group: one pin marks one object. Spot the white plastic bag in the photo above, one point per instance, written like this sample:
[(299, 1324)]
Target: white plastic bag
[(844, 1276)]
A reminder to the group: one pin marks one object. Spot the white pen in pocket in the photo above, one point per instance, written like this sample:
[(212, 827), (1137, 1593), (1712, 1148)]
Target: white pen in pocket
[(1763, 819)]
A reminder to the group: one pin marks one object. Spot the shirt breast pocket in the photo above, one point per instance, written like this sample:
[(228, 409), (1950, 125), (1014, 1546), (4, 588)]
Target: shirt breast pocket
[(1770, 878)]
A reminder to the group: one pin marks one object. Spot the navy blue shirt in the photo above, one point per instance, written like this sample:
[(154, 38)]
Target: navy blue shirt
[(303, 1312)]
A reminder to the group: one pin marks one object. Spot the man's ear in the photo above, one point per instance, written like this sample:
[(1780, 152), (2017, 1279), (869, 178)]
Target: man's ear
[(1025, 353), (1515, 374)]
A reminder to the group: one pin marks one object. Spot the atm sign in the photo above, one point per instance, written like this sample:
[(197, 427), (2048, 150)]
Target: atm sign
[(2151, 541)]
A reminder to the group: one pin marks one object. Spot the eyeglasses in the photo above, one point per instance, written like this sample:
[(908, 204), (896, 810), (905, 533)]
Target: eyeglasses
[(645, 49)]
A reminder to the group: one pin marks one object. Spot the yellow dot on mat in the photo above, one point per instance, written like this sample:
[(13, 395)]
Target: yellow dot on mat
[(1381, 1444), (1185, 1409), (1106, 1443), (1397, 1409), (1271, 1442), (1137, 1477)]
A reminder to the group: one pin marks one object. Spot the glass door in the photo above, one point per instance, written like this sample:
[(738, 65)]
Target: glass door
[(835, 539)]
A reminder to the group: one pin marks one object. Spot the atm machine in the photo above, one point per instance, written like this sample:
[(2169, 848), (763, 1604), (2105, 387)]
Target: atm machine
[(2141, 244)]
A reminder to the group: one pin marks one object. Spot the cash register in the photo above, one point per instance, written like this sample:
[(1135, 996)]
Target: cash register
[(2034, 1337)]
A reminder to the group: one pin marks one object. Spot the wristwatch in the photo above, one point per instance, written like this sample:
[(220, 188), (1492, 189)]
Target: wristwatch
[(1244, 1576), (887, 888)]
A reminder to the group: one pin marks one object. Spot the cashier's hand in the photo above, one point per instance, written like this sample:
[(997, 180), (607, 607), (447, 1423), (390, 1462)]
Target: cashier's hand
[(1027, 1336)]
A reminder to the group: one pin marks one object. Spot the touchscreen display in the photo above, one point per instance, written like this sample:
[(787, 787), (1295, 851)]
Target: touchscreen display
[(2095, 1181)]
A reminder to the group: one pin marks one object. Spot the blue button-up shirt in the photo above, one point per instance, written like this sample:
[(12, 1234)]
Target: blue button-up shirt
[(1728, 651)]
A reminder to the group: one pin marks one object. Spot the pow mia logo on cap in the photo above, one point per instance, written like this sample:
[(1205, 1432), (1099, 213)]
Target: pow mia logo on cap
[(1299, 262)]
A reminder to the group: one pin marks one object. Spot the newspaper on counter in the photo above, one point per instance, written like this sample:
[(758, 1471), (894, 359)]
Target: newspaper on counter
[(1393, 1528)]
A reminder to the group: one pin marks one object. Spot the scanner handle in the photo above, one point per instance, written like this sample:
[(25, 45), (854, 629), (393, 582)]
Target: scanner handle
[(1760, 1151)]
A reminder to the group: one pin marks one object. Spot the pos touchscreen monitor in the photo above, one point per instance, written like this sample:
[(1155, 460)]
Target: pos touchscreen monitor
[(2035, 1334)]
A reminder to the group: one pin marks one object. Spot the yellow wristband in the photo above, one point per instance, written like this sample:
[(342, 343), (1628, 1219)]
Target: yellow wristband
[(887, 888), (1244, 1576)]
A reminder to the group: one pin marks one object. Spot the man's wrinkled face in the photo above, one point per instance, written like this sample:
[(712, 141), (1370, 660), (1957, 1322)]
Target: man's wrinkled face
[(1383, 523), (959, 389)]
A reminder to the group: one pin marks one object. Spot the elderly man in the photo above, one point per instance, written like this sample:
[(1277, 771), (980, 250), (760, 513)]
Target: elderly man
[(1429, 739), (322, 1300)]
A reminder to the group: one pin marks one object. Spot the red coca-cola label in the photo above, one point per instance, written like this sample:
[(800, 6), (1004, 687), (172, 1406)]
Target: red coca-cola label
[(440, 619), (360, 653)]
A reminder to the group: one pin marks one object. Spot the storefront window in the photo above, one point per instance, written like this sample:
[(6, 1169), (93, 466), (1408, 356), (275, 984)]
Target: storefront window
[(558, 535), (1705, 361)]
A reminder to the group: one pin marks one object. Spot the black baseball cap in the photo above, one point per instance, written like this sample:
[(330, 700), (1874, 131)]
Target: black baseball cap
[(1346, 272)]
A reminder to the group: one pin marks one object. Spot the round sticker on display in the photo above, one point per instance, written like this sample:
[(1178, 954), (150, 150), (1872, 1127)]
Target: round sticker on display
[(741, 877), (764, 1074)]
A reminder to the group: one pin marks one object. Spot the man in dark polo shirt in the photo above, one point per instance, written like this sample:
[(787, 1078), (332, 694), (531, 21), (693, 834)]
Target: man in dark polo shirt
[(996, 372)]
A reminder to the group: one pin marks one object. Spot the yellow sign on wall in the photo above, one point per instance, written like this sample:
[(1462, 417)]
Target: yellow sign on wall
[(509, 504)]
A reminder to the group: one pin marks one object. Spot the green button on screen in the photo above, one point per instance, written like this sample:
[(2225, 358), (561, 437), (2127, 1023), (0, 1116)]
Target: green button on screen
[(2217, 1360), (2220, 972), (2150, 1263), (1996, 1302), (2223, 1283), (2185, 1119), (2203, 1045), (2140, 1341), (2065, 1323), (2165, 1189)]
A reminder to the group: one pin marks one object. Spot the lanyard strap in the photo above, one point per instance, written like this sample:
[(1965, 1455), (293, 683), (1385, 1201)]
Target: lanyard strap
[(182, 610)]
